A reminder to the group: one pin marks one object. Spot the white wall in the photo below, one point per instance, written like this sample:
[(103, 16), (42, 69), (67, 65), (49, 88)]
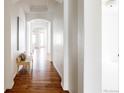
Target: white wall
[(92, 46), (70, 75), (28, 35), (17, 11), (73, 46), (8, 82), (49, 40), (110, 49), (22, 32), (58, 56), (11, 13), (65, 50), (66, 59), (80, 46), (70, 37)]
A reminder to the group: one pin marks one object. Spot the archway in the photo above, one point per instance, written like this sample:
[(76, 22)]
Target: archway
[(39, 29)]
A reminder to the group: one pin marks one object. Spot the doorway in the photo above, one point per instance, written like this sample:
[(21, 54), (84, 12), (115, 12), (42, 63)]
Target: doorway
[(39, 36)]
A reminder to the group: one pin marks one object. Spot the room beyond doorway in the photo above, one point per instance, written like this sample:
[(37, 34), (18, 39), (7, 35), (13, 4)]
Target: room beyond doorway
[(39, 36)]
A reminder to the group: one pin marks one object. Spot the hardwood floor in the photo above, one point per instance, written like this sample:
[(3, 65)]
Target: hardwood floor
[(43, 79)]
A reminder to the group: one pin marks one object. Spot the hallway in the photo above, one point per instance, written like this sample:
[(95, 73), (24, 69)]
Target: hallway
[(81, 41), (43, 79)]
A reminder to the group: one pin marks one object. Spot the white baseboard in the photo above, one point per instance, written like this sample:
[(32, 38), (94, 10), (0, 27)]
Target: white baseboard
[(59, 75)]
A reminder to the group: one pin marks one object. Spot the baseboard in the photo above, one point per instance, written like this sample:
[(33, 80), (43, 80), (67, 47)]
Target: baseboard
[(13, 83), (14, 76), (57, 71), (9, 87), (51, 62), (66, 91), (7, 90)]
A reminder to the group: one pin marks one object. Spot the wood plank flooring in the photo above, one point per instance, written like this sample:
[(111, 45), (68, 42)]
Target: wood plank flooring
[(43, 79)]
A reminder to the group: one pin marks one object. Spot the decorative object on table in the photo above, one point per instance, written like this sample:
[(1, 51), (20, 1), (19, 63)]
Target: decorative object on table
[(24, 60), (22, 56)]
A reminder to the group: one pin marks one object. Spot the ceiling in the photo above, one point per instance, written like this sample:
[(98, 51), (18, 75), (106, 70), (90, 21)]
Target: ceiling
[(38, 6), (42, 8), (38, 26)]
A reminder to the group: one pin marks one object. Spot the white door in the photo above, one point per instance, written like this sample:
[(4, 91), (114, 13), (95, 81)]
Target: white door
[(110, 48)]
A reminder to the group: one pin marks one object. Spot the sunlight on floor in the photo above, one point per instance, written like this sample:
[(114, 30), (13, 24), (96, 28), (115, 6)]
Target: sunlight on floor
[(40, 61)]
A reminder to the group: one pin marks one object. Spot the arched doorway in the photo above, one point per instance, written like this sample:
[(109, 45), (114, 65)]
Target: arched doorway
[(38, 36)]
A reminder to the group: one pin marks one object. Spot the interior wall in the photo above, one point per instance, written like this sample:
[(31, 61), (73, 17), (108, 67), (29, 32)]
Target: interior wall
[(65, 35), (57, 32), (66, 60), (8, 82), (110, 48), (11, 13), (92, 46), (73, 46), (28, 34), (17, 11), (22, 32), (80, 45), (49, 40)]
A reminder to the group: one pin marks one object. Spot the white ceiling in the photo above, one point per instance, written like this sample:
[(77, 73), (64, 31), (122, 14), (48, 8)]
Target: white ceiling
[(60, 1), (42, 9), (38, 6)]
